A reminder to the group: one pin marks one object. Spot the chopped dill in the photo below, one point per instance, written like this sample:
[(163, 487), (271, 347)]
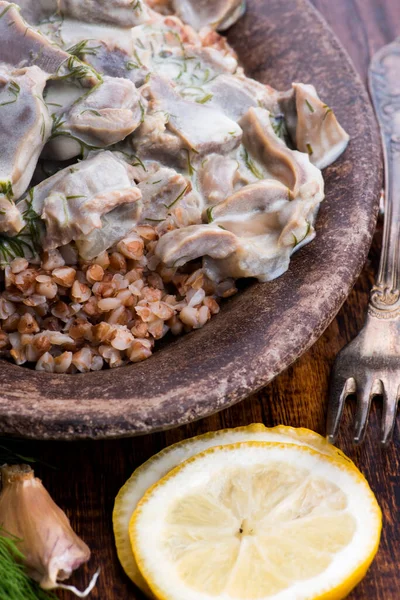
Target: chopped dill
[(191, 168), (74, 197), (138, 163), (32, 223), (82, 49), (142, 112), (309, 149), (210, 218), (159, 181), (206, 99), (296, 241), (178, 198), (91, 110), (14, 90), (43, 129), (11, 247), (130, 65), (221, 227), (278, 125), (57, 125), (328, 110), (310, 106), (250, 164), (136, 5), (7, 190), (77, 70), (7, 8)]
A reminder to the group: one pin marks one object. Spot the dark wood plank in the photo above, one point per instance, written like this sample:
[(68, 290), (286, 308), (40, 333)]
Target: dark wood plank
[(90, 474)]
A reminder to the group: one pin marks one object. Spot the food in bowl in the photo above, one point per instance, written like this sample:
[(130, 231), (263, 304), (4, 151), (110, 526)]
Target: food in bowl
[(141, 174)]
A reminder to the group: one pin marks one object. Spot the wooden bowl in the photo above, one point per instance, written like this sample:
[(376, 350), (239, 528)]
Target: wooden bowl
[(264, 328)]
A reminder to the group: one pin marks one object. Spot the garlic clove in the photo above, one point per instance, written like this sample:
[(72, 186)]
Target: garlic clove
[(52, 550)]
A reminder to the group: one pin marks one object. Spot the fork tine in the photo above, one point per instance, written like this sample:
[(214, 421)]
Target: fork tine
[(365, 393), (340, 389), (390, 401)]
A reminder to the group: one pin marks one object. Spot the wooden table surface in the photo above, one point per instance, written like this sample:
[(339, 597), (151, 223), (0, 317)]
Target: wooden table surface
[(89, 474)]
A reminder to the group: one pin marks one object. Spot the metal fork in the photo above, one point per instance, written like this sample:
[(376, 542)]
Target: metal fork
[(370, 364)]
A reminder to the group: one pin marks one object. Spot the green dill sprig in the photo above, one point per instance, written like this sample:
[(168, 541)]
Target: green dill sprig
[(137, 5), (56, 128), (13, 247), (278, 125), (309, 149), (82, 49), (15, 584), (33, 222), (6, 190), (250, 164), (26, 243), (76, 69), (130, 65), (210, 218), (91, 110), (190, 167), (327, 111), (296, 241), (206, 99), (43, 129), (309, 106), (178, 198), (14, 90), (142, 112), (7, 8)]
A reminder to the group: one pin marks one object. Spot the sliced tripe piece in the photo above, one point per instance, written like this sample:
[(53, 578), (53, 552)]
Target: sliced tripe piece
[(35, 11), (161, 192), (200, 127), (252, 210), (101, 118), (216, 176), (269, 227), (72, 201), (259, 256), (25, 125), (235, 95), (124, 13), (260, 139), (180, 246), (115, 225), (21, 46), (317, 132), (217, 14), (107, 48), (291, 167), (192, 68)]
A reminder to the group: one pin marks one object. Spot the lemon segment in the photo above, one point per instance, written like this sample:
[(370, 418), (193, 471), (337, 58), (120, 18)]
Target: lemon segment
[(256, 520), (160, 464)]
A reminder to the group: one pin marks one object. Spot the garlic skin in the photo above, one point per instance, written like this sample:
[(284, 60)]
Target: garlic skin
[(52, 550)]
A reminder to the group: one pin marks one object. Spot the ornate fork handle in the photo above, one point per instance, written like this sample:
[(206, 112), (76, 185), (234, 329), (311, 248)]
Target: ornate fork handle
[(384, 85)]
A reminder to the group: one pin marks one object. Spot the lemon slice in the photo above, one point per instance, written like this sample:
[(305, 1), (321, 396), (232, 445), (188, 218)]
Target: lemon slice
[(259, 521), (160, 464)]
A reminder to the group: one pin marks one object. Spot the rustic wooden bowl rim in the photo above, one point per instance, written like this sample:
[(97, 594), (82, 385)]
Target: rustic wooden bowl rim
[(267, 326)]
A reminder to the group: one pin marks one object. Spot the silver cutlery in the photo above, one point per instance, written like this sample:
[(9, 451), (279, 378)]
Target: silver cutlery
[(370, 364)]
